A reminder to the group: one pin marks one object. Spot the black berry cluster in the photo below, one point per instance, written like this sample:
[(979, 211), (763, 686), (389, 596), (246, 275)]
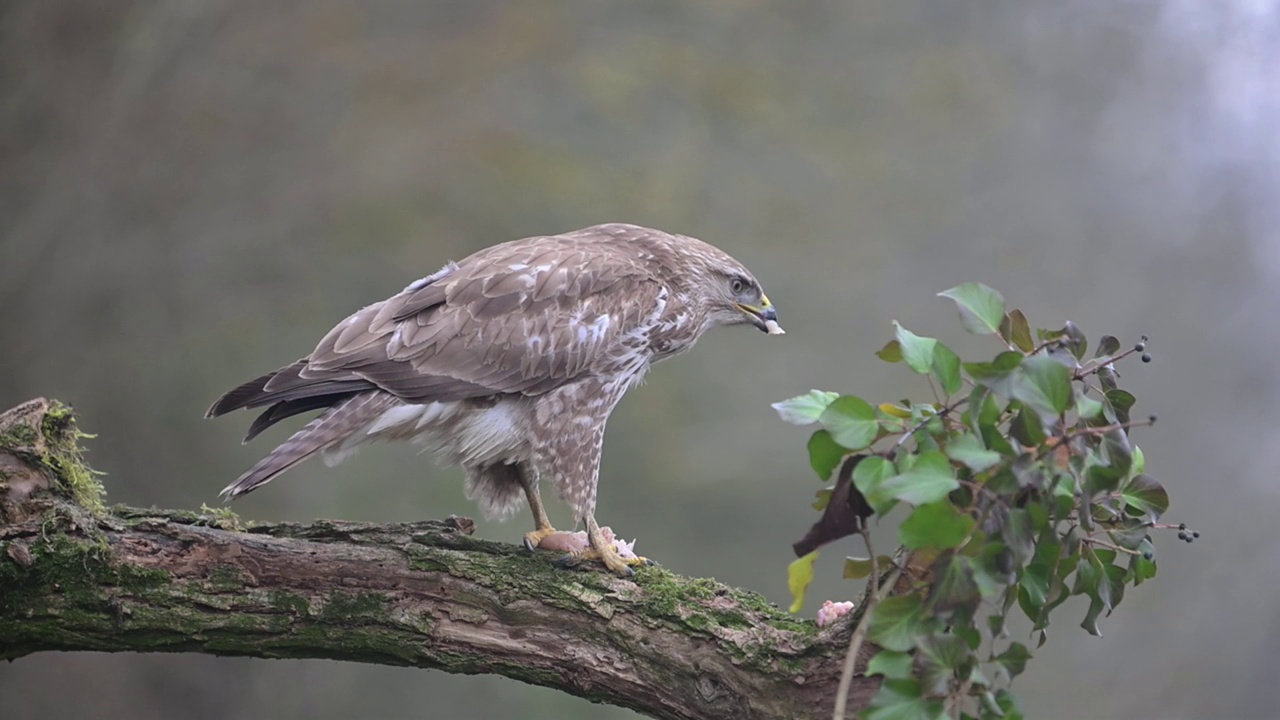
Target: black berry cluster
[(1187, 535)]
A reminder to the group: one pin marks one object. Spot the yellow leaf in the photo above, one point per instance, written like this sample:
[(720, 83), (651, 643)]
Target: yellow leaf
[(894, 411), (799, 575)]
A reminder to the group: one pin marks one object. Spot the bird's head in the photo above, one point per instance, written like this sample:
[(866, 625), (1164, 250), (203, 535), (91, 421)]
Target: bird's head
[(728, 293)]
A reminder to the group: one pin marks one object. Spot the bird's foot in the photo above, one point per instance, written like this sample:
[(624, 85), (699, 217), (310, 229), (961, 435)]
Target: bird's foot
[(616, 563), (533, 539)]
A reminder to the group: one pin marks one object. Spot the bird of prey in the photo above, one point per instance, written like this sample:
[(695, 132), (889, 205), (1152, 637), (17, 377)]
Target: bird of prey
[(508, 363)]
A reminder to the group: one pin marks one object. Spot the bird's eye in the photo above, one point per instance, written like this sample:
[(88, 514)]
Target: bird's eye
[(737, 286)]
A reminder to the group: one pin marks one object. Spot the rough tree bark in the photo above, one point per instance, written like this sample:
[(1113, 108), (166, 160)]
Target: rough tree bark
[(75, 575)]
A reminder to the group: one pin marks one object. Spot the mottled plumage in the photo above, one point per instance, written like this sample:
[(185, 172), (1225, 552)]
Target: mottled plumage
[(508, 362)]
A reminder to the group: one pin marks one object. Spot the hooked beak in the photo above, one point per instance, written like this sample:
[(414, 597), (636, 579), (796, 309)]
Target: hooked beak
[(764, 317)]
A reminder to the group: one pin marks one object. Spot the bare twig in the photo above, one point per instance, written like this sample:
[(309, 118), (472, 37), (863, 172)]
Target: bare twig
[(943, 413), (859, 633)]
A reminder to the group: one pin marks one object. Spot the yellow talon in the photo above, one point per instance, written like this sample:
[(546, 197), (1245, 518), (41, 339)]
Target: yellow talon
[(534, 538), (616, 564)]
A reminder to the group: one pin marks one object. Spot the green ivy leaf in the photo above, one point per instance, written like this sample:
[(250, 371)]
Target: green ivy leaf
[(1017, 535), (1014, 659), (1119, 402), (799, 575), (851, 421), (891, 352), (1117, 452), (1027, 429), (1102, 581), (1140, 567), (805, 409), (1044, 384), (895, 623), (1131, 537), (1077, 343), (1108, 345), (1033, 590), (1008, 703), (937, 524), (977, 678), (856, 568), (990, 708), (931, 478), (1087, 407), (995, 622), (946, 368), (916, 350), (903, 700), (992, 568), (968, 450), (891, 664), (997, 374), (940, 657), (1019, 331), (824, 454), (1115, 579), (868, 476), (955, 588), (981, 308), (1099, 478), (1090, 622), (971, 635), (949, 651), (1146, 495), (983, 410)]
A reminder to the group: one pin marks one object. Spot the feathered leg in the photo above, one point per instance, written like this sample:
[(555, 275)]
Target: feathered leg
[(542, 524)]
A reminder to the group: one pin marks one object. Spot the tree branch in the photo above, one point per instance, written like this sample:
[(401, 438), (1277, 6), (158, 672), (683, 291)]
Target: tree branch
[(74, 576)]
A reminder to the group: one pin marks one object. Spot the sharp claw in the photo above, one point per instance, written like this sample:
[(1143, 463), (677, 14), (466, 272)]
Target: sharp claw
[(533, 540), (565, 562)]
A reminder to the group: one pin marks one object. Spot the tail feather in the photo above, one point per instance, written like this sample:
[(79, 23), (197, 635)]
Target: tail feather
[(287, 385), (288, 409), (240, 396), (328, 430)]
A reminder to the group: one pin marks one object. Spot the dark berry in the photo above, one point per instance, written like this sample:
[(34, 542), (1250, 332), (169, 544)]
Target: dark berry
[(1146, 357), (1195, 533), (1182, 526), (1152, 419), (1144, 338), (1139, 347), (1182, 535), (1148, 555)]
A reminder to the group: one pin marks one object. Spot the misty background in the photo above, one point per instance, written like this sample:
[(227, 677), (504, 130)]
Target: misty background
[(192, 193)]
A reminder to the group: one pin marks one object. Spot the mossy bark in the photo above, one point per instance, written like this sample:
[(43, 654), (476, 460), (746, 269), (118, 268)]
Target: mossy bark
[(420, 594)]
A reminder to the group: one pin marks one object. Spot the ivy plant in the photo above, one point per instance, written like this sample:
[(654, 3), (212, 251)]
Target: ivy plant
[(1020, 488)]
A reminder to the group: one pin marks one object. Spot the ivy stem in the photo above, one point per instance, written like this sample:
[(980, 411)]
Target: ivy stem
[(1068, 435), (1110, 546), (946, 410), (1091, 367), (860, 632)]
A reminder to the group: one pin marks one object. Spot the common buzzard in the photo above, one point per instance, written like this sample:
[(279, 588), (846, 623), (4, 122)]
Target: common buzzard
[(508, 363)]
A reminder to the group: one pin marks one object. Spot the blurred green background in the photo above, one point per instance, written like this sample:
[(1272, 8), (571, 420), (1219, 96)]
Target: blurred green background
[(192, 193)]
